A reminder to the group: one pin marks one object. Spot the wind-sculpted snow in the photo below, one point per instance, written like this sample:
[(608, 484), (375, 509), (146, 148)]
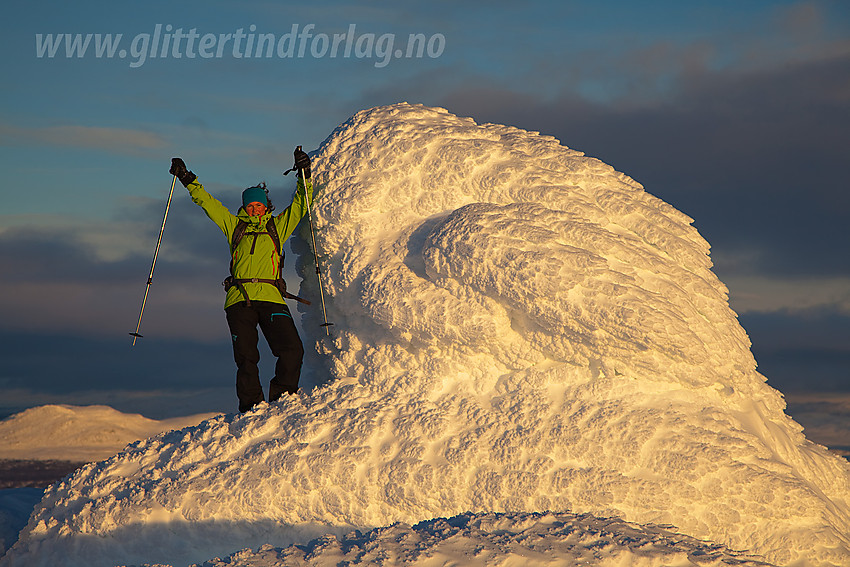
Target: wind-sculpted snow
[(491, 540), (518, 328)]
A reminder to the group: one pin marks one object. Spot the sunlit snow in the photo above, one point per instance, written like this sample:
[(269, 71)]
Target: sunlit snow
[(518, 328)]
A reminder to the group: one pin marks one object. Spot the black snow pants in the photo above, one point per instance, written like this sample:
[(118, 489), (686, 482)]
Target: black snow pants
[(275, 321)]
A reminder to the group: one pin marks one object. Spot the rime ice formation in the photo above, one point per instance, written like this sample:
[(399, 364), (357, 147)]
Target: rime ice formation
[(518, 328)]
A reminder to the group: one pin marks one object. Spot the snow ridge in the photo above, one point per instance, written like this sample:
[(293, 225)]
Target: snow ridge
[(518, 328)]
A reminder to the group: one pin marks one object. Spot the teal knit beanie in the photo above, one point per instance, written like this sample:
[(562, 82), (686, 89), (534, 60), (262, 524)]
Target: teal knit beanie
[(254, 195)]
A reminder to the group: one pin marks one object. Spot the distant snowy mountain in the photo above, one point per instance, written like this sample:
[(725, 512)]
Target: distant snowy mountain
[(79, 433), (519, 328)]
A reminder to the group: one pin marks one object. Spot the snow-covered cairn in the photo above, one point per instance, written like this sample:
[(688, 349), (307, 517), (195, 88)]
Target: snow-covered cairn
[(518, 327)]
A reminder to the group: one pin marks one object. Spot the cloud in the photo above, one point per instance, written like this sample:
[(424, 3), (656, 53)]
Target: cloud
[(159, 377), (192, 136), (114, 140), (103, 241), (791, 295), (84, 277), (801, 351), (825, 417)]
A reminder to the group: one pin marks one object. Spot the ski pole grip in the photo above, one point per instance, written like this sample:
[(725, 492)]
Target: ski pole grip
[(302, 162)]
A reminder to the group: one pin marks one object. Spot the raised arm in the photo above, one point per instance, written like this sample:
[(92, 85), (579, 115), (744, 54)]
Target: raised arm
[(215, 210), (289, 218)]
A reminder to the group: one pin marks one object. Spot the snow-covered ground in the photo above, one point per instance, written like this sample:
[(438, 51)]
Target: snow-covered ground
[(521, 332), (71, 432)]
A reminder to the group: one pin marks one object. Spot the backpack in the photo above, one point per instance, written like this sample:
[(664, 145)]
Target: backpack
[(280, 283)]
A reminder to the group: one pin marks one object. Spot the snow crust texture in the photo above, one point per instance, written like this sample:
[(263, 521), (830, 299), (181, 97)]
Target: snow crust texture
[(518, 328), (492, 540)]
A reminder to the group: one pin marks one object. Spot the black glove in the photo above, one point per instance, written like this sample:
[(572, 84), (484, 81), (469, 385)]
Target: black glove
[(302, 162), (178, 168)]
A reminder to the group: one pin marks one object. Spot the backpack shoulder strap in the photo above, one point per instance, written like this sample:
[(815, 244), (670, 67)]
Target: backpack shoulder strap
[(238, 233), (242, 228), (272, 230)]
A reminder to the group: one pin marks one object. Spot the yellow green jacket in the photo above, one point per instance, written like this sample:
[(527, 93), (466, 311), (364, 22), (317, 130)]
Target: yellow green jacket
[(255, 255)]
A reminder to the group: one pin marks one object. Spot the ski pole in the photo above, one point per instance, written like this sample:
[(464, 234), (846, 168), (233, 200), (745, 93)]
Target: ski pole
[(326, 325), (313, 236), (300, 170), (136, 335)]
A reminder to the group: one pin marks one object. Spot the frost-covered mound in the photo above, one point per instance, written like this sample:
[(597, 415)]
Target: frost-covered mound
[(518, 327), (79, 433), (494, 540)]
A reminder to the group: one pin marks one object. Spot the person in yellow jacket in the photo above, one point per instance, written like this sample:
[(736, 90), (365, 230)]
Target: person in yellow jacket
[(255, 298)]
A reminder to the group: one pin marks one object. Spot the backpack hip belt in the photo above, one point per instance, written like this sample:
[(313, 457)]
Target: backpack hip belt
[(279, 283)]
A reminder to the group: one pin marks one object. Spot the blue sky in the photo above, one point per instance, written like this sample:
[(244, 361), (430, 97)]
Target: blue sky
[(737, 113)]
